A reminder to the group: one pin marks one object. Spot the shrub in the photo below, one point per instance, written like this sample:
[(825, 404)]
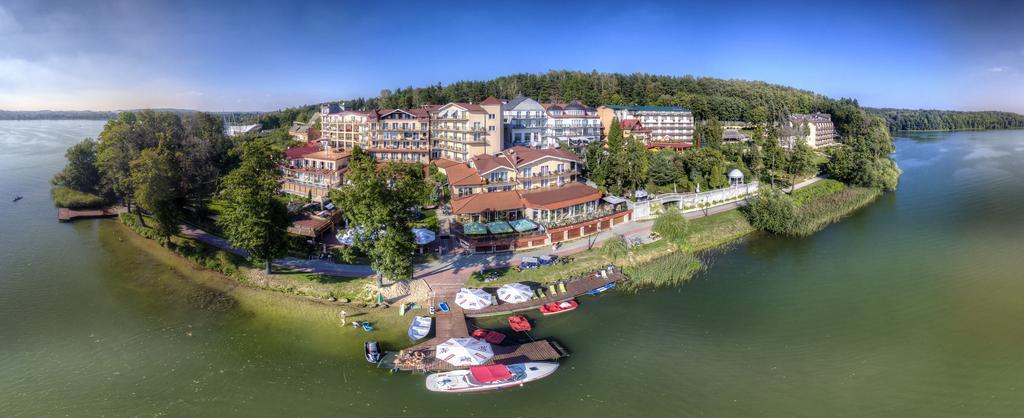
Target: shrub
[(772, 211), (775, 212), (671, 225), (66, 197)]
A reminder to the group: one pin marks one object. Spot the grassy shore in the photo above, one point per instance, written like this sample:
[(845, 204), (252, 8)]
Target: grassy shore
[(702, 234), (239, 269), (65, 197)]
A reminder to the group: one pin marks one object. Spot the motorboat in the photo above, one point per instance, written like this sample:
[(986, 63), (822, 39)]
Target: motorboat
[(519, 323), (420, 327), (493, 377), (372, 349), (558, 307), (601, 289), (493, 337), (17, 198)]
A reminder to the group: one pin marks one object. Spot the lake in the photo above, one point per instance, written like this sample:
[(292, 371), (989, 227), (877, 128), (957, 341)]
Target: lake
[(912, 306)]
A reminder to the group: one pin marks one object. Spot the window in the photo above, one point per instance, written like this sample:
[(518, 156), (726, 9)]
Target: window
[(490, 128)]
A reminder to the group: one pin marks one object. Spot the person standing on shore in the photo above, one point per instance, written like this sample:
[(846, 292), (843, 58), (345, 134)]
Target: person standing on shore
[(343, 316)]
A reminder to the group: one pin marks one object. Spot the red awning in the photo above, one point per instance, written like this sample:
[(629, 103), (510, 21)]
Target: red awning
[(486, 374)]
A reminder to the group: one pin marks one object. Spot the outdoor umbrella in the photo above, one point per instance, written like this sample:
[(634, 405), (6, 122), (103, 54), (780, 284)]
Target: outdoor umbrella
[(515, 293), (348, 237), (473, 299), (464, 351), (423, 236)]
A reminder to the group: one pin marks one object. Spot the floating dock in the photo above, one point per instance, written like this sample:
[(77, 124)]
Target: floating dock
[(68, 215)]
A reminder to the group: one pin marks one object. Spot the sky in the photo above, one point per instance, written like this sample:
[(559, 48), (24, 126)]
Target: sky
[(266, 55)]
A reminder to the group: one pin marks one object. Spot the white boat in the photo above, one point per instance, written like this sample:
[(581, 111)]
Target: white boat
[(420, 327), (494, 377)]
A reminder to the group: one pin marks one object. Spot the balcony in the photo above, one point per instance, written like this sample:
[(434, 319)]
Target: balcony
[(550, 174)]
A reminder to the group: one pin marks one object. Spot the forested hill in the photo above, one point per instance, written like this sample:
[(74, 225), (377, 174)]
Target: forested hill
[(946, 120), (752, 101)]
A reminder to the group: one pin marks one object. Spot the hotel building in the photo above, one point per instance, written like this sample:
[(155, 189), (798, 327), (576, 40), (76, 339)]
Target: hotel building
[(666, 123), (816, 129)]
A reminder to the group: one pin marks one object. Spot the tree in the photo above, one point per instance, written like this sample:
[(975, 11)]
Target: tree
[(710, 133), (671, 225), (663, 170), (615, 160), (204, 157), (635, 164), (80, 173), (801, 160), (253, 218), (155, 184), (379, 205), (615, 248), (772, 211), (774, 158)]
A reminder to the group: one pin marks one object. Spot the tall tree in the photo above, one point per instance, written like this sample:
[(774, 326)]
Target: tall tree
[(635, 164), (801, 161), (614, 164), (154, 177), (710, 133), (80, 173), (204, 156), (378, 205), (663, 170), (254, 218)]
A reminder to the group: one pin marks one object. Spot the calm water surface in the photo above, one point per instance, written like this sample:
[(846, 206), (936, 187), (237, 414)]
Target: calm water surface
[(911, 307)]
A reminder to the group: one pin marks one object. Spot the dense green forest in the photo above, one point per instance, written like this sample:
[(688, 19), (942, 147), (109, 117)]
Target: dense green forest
[(946, 120)]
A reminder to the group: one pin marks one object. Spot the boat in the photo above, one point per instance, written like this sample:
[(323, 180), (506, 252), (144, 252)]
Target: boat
[(558, 307), (420, 327), (372, 351), (443, 306), (493, 337), (519, 323), (601, 289), (494, 377), (366, 326), (17, 198)]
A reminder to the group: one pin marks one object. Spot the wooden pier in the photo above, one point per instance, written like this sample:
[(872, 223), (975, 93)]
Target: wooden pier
[(68, 215), (452, 324)]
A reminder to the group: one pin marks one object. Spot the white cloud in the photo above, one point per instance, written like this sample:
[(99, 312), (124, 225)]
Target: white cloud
[(1000, 69)]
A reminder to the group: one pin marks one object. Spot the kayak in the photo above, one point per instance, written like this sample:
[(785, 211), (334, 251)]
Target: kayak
[(443, 306), (372, 351), (558, 307), (601, 289), (420, 327), (494, 377), (519, 323), (366, 326)]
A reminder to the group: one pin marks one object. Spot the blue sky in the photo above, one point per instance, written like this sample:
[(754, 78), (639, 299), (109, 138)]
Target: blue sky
[(263, 55)]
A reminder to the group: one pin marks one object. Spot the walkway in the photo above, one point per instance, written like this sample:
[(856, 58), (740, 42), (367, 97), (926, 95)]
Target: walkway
[(67, 215), (449, 273)]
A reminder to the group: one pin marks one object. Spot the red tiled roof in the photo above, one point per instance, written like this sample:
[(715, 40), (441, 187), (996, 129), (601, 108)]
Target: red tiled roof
[(562, 197), (483, 202), (484, 163), (463, 175), (444, 163), (469, 106), (630, 123), (299, 152), (491, 100)]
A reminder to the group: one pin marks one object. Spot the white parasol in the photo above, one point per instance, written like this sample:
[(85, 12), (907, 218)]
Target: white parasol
[(464, 351), (515, 293), (472, 299)]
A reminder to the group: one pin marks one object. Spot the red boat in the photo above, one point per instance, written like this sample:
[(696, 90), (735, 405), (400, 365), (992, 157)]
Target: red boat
[(519, 323), (559, 307), (493, 337)]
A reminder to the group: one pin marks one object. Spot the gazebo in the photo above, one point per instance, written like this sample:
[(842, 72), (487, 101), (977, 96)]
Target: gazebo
[(735, 177)]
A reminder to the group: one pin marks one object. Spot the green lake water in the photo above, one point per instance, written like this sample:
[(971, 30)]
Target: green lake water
[(913, 306)]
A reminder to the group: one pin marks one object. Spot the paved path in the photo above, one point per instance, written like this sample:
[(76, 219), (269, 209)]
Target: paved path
[(449, 273)]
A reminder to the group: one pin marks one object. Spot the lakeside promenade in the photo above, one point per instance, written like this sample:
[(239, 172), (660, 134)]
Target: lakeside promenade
[(447, 274)]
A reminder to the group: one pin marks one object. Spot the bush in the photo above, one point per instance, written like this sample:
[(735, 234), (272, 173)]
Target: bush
[(775, 212), (669, 270), (671, 225), (65, 197), (131, 220), (772, 211)]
